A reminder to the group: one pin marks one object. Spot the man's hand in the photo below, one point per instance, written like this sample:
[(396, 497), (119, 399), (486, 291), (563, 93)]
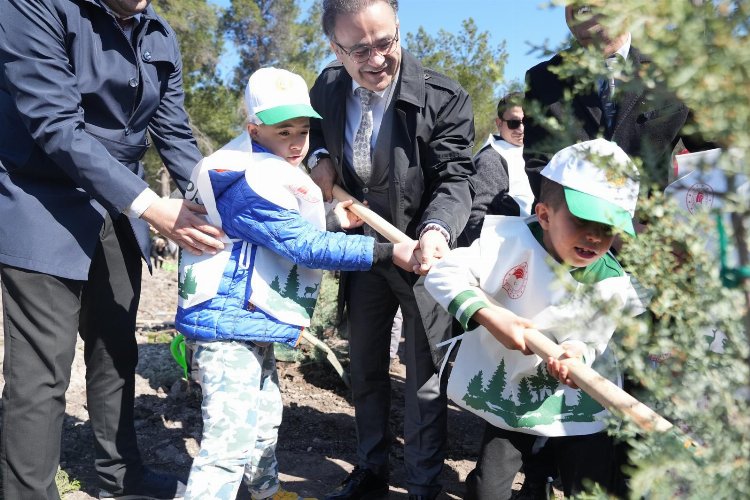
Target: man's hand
[(432, 248), (403, 255), (180, 221), (505, 326), (324, 175), (559, 368)]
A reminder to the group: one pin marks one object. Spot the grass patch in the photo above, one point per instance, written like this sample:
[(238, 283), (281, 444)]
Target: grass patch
[(64, 484), (160, 336)]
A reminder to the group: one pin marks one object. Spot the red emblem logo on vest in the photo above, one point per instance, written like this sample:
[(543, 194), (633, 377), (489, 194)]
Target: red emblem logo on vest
[(699, 196), (515, 280), (304, 193)]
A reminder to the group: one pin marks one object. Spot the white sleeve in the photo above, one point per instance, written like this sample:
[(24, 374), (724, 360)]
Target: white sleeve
[(454, 283)]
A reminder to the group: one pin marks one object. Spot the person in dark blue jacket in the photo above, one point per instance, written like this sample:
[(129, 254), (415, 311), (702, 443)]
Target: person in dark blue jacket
[(263, 287), (81, 84)]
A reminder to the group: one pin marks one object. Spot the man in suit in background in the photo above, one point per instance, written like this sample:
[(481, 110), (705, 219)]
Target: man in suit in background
[(400, 137), (645, 123), (81, 83)]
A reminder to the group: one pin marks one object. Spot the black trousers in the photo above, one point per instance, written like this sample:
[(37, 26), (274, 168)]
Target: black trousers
[(372, 299), (42, 314), (574, 458)]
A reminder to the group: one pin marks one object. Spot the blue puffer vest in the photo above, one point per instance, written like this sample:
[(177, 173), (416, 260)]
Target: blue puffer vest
[(278, 232)]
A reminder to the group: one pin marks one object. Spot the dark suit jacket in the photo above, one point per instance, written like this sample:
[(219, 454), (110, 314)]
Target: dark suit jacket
[(432, 138), (430, 164), (648, 124), (74, 127)]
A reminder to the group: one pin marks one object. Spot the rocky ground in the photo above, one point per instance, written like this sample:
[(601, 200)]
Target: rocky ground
[(317, 436)]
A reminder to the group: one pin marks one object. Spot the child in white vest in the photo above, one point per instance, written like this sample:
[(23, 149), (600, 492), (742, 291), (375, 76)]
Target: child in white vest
[(552, 271), (262, 288)]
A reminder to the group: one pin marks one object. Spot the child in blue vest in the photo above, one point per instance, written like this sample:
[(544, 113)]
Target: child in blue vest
[(262, 288)]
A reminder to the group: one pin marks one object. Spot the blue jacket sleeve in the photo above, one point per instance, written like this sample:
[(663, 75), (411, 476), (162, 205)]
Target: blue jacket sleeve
[(250, 217)]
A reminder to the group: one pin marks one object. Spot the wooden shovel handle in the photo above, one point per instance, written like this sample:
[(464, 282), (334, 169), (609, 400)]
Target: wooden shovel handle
[(599, 388)]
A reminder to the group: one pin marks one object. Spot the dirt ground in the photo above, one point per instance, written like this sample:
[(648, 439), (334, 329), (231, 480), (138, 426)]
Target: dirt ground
[(316, 439)]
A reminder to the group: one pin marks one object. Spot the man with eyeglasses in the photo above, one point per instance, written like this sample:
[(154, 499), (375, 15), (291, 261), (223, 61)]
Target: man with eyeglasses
[(400, 137), (501, 184)]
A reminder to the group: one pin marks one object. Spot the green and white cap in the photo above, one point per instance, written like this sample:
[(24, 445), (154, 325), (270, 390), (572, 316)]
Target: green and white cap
[(600, 182), (274, 95)]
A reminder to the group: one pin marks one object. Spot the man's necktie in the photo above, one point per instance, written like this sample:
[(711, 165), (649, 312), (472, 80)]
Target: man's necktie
[(607, 92), (361, 154)]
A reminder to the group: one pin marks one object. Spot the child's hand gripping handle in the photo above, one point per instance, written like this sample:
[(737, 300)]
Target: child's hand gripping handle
[(379, 224)]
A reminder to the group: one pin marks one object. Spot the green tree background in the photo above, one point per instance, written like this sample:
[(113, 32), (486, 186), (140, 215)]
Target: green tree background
[(470, 58), (281, 33), (699, 52)]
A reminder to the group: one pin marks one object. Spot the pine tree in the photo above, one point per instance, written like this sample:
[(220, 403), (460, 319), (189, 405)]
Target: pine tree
[(496, 385), (476, 385), (537, 382), (470, 58), (270, 33), (524, 392), (291, 289), (275, 286), (188, 285)]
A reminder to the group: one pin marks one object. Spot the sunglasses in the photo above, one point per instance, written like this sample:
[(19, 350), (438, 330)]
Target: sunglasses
[(513, 124)]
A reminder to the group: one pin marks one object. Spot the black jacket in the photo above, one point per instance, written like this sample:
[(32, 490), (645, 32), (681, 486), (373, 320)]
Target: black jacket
[(431, 145)]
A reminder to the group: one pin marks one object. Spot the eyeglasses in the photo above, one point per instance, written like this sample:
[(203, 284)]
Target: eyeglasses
[(513, 124), (362, 53)]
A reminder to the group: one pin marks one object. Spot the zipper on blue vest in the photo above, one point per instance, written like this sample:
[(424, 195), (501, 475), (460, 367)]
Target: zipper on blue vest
[(247, 261)]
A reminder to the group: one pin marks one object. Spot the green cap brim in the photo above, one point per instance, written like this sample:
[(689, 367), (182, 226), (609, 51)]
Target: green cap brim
[(282, 113), (588, 207)]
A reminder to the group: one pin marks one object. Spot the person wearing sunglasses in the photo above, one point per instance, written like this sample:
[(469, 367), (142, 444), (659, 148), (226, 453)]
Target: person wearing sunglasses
[(500, 183), (399, 136)]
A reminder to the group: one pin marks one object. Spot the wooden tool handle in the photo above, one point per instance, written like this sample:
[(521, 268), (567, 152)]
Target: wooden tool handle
[(599, 388), (379, 224)]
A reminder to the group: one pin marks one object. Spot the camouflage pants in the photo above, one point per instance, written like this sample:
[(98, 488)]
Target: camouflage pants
[(241, 417)]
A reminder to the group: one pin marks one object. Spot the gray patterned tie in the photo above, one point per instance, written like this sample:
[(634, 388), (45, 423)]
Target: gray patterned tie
[(361, 156)]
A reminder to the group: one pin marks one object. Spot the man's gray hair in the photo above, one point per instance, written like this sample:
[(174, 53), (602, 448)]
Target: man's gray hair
[(333, 8)]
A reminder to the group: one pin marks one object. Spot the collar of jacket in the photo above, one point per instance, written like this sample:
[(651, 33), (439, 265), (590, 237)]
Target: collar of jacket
[(411, 85), (636, 56), (149, 13)]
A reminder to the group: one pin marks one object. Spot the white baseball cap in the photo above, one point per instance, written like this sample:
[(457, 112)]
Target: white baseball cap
[(273, 95), (600, 182)]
